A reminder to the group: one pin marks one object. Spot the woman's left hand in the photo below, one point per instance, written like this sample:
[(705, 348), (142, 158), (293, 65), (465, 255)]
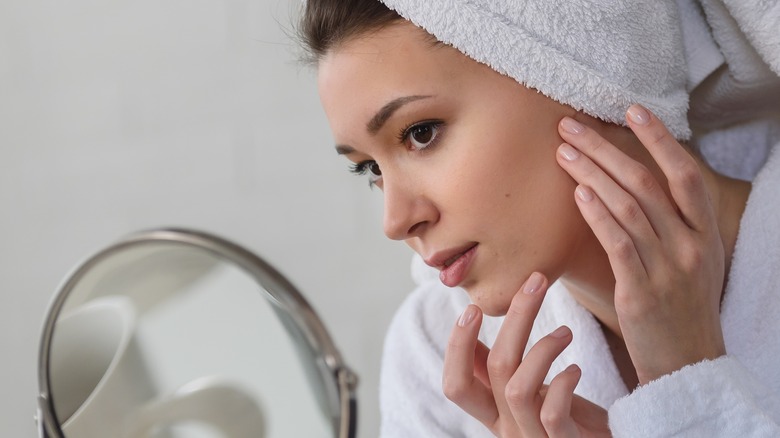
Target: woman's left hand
[(505, 390), (665, 251)]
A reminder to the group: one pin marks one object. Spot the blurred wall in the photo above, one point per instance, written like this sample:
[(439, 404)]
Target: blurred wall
[(123, 115)]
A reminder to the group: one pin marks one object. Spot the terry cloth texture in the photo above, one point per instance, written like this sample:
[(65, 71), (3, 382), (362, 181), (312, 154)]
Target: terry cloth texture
[(598, 57)]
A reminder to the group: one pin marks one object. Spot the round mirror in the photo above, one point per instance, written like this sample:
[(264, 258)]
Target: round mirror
[(175, 333)]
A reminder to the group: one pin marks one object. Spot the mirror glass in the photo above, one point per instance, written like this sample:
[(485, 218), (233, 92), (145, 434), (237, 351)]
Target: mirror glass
[(162, 338)]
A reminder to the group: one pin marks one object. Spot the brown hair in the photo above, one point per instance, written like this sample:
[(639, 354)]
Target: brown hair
[(327, 23)]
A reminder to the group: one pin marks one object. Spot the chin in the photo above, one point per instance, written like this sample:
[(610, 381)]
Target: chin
[(494, 294), (493, 301)]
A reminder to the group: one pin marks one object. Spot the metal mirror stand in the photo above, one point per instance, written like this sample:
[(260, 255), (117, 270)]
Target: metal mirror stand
[(337, 380)]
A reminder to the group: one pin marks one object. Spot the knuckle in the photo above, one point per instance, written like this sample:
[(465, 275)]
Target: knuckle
[(644, 180), (691, 258), (455, 341), (659, 134), (455, 389), (688, 175), (456, 344), (597, 144), (629, 210), (602, 216), (518, 307), (552, 419), (623, 247), (517, 395), (500, 366), (591, 172)]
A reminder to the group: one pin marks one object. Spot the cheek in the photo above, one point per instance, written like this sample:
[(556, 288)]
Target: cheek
[(544, 222), (532, 225), (526, 188)]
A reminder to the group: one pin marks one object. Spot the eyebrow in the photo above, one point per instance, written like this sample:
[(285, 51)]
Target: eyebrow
[(375, 124), (343, 149), (384, 113)]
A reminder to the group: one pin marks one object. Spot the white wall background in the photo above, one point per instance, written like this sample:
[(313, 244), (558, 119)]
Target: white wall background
[(122, 115)]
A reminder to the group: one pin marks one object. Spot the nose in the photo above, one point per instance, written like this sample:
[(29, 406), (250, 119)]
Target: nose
[(408, 212)]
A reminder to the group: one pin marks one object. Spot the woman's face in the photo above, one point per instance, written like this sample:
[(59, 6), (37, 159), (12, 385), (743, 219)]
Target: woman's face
[(467, 160)]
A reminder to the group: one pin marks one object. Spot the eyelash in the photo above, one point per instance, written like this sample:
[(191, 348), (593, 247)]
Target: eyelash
[(404, 134), (362, 168)]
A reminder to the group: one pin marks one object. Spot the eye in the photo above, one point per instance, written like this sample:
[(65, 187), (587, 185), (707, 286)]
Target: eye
[(421, 135), (373, 167), (370, 168)]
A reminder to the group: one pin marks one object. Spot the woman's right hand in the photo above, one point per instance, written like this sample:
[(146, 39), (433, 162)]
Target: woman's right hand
[(505, 391)]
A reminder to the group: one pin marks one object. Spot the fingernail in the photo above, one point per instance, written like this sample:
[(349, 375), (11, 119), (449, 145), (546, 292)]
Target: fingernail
[(572, 126), (573, 368), (467, 316), (560, 332), (584, 193), (533, 284), (638, 115), (568, 152)]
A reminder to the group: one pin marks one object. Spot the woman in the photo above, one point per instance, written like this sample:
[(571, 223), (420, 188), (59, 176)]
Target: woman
[(511, 177)]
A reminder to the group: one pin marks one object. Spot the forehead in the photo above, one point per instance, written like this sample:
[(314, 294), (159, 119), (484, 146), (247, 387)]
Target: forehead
[(365, 72), (382, 50)]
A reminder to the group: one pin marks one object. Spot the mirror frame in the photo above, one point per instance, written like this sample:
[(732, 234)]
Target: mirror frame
[(336, 374)]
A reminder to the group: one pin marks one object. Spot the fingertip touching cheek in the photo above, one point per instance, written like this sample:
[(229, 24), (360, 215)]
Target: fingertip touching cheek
[(465, 158)]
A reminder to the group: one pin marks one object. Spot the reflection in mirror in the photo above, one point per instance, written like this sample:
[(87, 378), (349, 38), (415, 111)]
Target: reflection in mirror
[(165, 339)]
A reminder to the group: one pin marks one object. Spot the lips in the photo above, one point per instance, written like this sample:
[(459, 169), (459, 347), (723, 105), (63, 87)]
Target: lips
[(453, 263), (452, 259), (445, 258)]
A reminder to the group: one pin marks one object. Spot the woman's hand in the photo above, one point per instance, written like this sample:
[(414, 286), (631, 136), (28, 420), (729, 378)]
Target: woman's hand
[(505, 391), (666, 254)]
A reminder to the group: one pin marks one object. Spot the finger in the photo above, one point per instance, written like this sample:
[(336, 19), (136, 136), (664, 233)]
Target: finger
[(623, 257), (510, 343), (624, 207), (686, 181), (522, 391), (480, 363), (458, 380), (556, 408), (632, 176)]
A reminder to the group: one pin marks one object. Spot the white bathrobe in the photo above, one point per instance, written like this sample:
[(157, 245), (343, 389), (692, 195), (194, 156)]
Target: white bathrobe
[(737, 395), (735, 46)]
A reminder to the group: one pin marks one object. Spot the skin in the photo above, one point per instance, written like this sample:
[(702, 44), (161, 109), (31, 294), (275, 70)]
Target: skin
[(492, 176), (638, 229)]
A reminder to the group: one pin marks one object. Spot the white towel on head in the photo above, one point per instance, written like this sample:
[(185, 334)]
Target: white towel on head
[(598, 57)]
